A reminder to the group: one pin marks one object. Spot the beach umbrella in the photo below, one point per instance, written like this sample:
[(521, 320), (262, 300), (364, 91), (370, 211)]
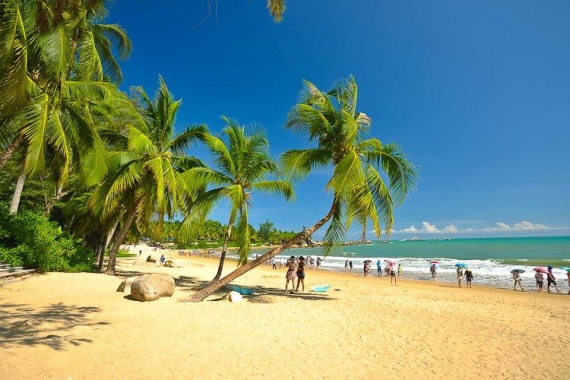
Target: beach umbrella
[(539, 269), (434, 262), (566, 269), (461, 265), (517, 271)]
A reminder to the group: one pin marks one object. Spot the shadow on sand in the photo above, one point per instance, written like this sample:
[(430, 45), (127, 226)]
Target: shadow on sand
[(24, 325)]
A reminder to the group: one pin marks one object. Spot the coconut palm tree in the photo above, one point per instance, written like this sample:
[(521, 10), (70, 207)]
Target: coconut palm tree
[(55, 59), (145, 166), (243, 165), (369, 178)]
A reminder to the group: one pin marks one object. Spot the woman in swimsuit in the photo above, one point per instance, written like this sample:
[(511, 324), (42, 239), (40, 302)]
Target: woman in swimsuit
[(290, 276), (301, 274)]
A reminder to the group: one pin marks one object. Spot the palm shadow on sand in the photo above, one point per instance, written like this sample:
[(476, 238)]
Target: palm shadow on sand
[(57, 326)]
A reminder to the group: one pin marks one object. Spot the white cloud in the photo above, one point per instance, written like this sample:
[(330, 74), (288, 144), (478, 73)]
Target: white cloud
[(428, 228)]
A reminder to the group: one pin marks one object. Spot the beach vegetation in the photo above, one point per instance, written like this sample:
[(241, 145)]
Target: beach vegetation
[(145, 163), (242, 165), (369, 178), (56, 62), (32, 241)]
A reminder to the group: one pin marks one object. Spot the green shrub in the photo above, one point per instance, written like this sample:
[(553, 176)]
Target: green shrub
[(30, 240)]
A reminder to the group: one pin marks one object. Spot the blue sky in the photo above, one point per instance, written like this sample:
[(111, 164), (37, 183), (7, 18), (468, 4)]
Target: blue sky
[(476, 92)]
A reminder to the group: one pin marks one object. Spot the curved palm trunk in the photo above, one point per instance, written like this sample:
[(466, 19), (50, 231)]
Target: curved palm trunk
[(104, 246), (10, 150), (202, 294), (15, 204), (122, 234), (227, 237)]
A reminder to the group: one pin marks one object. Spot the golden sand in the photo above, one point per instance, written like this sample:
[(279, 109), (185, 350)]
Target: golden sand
[(75, 326)]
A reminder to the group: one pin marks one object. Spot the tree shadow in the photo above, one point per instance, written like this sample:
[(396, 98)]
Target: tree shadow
[(265, 295), (54, 326)]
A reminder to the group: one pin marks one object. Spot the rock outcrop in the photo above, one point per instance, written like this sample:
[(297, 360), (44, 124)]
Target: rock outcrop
[(150, 287)]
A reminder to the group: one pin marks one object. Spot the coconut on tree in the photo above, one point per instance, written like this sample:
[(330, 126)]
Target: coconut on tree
[(369, 178), (242, 166)]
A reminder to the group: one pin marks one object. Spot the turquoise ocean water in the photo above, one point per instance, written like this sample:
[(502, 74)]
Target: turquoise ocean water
[(490, 259)]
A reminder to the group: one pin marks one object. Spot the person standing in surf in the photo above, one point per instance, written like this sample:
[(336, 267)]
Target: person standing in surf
[(551, 280), (432, 269), (539, 281), (459, 271), (517, 278), (468, 277)]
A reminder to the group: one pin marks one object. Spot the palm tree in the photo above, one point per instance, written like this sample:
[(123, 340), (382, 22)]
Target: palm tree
[(369, 179), (243, 165), (145, 166), (55, 59)]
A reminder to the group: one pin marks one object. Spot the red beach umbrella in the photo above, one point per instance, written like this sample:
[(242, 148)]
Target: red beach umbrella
[(434, 262), (539, 269)]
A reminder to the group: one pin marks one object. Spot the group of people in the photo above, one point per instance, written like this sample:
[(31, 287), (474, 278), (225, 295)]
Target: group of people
[(539, 277), (295, 270), (468, 277)]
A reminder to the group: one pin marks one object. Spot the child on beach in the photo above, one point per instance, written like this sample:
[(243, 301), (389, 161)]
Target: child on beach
[(468, 277), (400, 269), (459, 276), (539, 281), (393, 277), (517, 278), (290, 275)]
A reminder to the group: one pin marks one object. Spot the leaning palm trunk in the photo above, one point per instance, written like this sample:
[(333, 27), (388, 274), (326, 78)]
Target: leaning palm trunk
[(122, 234), (10, 150), (103, 247), (202, 294), (18, 192), (225, 248)]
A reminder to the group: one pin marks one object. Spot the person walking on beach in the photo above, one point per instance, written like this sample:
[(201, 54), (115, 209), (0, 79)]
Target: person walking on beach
[(517, 278), (346, 265), (459, 276), (350, 265), (290, 275), (568, 279), (319, 261), (162, 259), (539, 281), (432, 270), (366, 267), (551, 280), (468, 277), (301, 274), (400, 270), (273, 263), (379, 266), (393, 277)]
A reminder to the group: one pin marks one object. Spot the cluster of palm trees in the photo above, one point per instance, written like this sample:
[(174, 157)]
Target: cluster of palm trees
[(118, 163)]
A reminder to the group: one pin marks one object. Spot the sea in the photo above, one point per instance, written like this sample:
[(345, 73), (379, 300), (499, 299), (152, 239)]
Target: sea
[(490, 259)]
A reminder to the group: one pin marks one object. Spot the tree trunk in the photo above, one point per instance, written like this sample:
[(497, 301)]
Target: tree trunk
[(225, 247), (202, 294), (122, 234), (10, 150), (18, 192)]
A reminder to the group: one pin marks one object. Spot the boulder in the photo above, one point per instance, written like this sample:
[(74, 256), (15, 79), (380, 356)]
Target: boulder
[(126, 282), (171, 264), (150, 259), (150, 287), (234, 297)]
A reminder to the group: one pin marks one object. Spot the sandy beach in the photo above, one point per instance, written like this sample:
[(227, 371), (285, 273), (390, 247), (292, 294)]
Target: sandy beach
[(76, 326)]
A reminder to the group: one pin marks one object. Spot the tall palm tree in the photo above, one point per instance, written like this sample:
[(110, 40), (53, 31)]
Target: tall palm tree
[(145, 166), (243, 166), (369, 179), (55, 58)]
